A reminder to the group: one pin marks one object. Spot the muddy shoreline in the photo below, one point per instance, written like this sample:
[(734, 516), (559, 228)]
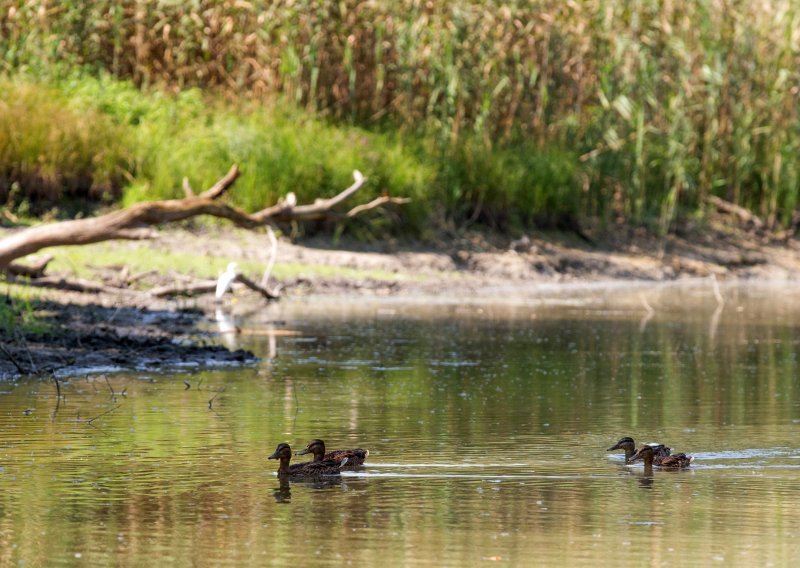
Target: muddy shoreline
[(131, 330), (87, 337)]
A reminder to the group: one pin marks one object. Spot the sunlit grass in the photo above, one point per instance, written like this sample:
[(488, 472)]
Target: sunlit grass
[(19, 313), (91, 260)]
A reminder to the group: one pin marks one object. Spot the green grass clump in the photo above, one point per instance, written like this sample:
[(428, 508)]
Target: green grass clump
[(18, 315)]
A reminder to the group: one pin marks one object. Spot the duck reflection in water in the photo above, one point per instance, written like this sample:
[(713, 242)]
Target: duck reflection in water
[(645, 478), (282, 493)]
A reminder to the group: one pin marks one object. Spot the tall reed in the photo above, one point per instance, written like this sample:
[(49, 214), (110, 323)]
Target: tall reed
[(659, 102)]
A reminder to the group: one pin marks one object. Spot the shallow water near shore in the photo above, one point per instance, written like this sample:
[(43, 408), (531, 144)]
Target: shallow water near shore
[(487, 424)]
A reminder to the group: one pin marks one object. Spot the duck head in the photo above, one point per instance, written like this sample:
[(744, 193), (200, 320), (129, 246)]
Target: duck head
[(645, 453), (626, 444), (282, 452), (316, 447)]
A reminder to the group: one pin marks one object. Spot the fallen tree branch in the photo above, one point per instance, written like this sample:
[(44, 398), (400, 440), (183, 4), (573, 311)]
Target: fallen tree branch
[(35, 270), (209, 286), (77, 285), (134, 222), (377, 202), (263, 290), (741, 213), (190, 289)]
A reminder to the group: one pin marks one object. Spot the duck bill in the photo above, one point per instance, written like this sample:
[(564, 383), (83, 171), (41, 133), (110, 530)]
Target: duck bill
[(303, 452), (273, 456), (614, 447), (634, 457)]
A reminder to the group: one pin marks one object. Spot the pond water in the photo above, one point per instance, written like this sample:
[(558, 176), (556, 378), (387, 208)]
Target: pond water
[(486, 424)]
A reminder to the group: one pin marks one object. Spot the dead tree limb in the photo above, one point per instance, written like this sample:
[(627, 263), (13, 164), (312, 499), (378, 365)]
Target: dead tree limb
[(741, 213), (76, 285), (135, 222), (190, 289), (209, 286), (268, 293), (33, 270)]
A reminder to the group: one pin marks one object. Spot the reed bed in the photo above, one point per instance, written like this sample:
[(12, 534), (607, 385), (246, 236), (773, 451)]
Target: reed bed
[(625, 110)]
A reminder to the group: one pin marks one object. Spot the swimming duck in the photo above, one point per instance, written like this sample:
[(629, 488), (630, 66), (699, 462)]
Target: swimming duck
[(354, 457), (675, 461), (308, 469), (660, 451)]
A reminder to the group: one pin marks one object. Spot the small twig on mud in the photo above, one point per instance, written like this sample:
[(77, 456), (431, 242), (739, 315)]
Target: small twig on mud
[(109, 320), (103, 414), (211, 402), (200, 382), (58, 386), (20, 368), (188, 385), (21, 339)]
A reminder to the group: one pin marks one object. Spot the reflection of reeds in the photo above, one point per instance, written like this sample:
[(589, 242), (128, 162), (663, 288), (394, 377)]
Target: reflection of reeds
[(667, 102)]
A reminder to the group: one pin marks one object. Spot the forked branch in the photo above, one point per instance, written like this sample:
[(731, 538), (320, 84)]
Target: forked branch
[(135, 222)]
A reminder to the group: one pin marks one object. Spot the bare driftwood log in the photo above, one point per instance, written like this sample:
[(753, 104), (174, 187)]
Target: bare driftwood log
[(741, 213), (135, 222), (75, 285), (34, 270)]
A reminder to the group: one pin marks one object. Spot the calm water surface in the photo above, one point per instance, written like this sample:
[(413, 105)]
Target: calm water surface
[(486, 425)]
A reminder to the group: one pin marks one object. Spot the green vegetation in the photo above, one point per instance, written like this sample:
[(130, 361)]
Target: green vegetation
[(505, 113), (18, 313), (149, 141), (83, 261)]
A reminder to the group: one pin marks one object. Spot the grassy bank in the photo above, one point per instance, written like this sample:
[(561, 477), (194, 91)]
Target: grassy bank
[(18, 314), (112, 140), (501, 112)]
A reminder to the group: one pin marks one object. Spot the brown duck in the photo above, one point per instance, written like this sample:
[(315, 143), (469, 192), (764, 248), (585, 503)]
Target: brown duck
[(308, 469), (674, 461), (660, 451), (354, 457)]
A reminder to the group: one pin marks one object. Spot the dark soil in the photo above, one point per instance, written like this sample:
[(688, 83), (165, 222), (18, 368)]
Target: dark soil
[(92, 338)]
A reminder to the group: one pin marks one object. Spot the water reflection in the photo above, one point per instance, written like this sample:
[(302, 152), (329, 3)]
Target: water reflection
[(487, 435), (283, 494)]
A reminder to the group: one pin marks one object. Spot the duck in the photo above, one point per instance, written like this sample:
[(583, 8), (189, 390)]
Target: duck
[(354, 457), (660, 451), (673, 461), (308, 469)]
